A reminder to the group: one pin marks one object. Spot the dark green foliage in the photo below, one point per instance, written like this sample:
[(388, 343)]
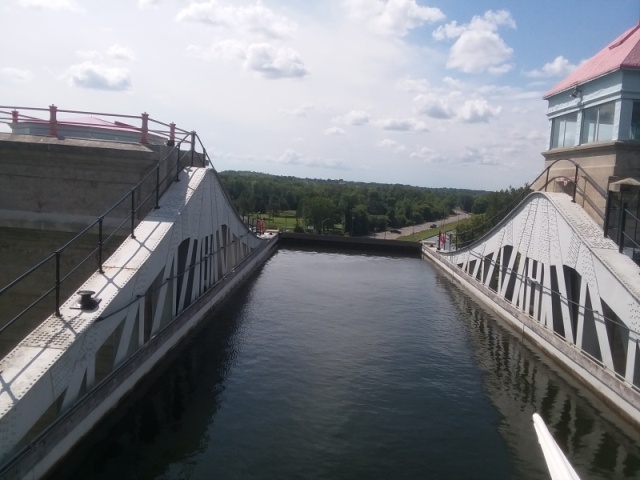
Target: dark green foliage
[(490, 208), (361, 208)]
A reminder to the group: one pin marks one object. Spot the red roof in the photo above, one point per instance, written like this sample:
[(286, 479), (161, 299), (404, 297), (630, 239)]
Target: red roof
[(623, 52)]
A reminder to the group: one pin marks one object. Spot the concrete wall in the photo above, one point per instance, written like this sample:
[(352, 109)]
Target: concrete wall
[(50, 190), (605, 162), (63, 185)]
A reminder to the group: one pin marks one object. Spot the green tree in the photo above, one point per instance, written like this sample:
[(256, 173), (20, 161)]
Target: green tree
[(316, 210)]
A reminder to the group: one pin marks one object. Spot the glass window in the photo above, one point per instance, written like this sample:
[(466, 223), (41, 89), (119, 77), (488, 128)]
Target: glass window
[(597, 123), (563, 131)]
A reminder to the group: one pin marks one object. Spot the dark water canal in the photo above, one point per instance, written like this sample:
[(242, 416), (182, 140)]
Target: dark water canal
[(335, 366)]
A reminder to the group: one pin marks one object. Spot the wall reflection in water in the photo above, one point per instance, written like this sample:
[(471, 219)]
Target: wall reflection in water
[(155, 429), (521, 381)]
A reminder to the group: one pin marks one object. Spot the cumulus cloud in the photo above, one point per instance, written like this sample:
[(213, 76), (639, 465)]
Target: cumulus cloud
[(334, 131), (274, 62), (100, 77), (412, 85), (354, 117), (403, 125), (119, 52), (16, 74), (428, 155), (478, 47), (559, 67), (391, 144), (478, 156), (256, 19), (477, 111), (148, 3), (50, 4), (270, 61), (432, 105), (291, 157), (300, 111), (392, 17)]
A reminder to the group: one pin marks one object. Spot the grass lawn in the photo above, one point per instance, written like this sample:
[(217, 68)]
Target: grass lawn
[(416, 237)]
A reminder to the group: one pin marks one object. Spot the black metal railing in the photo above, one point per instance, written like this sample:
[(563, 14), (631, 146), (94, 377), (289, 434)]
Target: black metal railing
[(464, 238), (527, 282), (63, 279)]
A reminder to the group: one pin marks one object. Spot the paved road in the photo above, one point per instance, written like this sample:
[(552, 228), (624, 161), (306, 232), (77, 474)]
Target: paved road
[(420, 227)]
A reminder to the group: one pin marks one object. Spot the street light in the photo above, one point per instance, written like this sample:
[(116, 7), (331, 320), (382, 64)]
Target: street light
[(322, 225)]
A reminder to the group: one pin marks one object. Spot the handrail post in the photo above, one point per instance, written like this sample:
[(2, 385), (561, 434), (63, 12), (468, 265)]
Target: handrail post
[(14, 116), (172, 135), (607, 213), (100, 244), (193, 146), (621, 225), (575, 185), (144, 131), (157, 186), (58, 283), (133, 212), (53, 121), (178, 163), (546, 182)]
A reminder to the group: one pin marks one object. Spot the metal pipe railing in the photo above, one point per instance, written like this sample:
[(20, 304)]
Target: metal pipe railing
[(491, 222), (14, 115), (160, 185)]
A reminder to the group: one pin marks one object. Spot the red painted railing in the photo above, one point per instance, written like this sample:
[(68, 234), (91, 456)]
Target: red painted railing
[(52, 117)]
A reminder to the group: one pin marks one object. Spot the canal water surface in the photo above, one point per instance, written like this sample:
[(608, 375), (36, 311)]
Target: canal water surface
[(337, 366)]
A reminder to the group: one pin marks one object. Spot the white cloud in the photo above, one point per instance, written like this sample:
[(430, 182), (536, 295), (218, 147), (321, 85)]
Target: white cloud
[(478, 156), (392, 17), (478, 47), (477, 111), (268, 60), (559, 67), (119, 52), (403, 125), (16, 74), (334, 131), (274, 62), (432, 105), (428, 155), (412, 85), (300, 111), (291, 157), (256, 19), (148, 3), (387, 142), (354, 117), (100, 77), (50, 4), (391, 144)]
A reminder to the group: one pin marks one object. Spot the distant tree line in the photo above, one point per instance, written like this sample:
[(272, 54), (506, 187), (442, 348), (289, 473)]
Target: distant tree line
[(361, 208), (490, 208)]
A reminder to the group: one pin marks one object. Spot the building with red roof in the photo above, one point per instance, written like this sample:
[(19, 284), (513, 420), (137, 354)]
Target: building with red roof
[(595, 122)]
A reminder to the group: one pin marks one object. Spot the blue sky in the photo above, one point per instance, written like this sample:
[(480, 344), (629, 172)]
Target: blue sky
[(431, 93)]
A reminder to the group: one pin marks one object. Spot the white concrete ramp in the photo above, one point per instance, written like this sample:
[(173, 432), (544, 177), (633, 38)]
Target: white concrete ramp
[(185, 257), (549, 270)]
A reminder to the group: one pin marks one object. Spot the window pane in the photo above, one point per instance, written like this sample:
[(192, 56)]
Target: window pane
[(555, 132), (589, 121), (605, 122), (570, 130)]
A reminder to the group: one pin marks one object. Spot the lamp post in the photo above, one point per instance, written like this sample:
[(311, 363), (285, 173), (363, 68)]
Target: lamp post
[(322, 225)]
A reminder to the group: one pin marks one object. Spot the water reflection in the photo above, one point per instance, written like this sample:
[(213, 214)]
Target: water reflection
[(168, 420), (520, 381)]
